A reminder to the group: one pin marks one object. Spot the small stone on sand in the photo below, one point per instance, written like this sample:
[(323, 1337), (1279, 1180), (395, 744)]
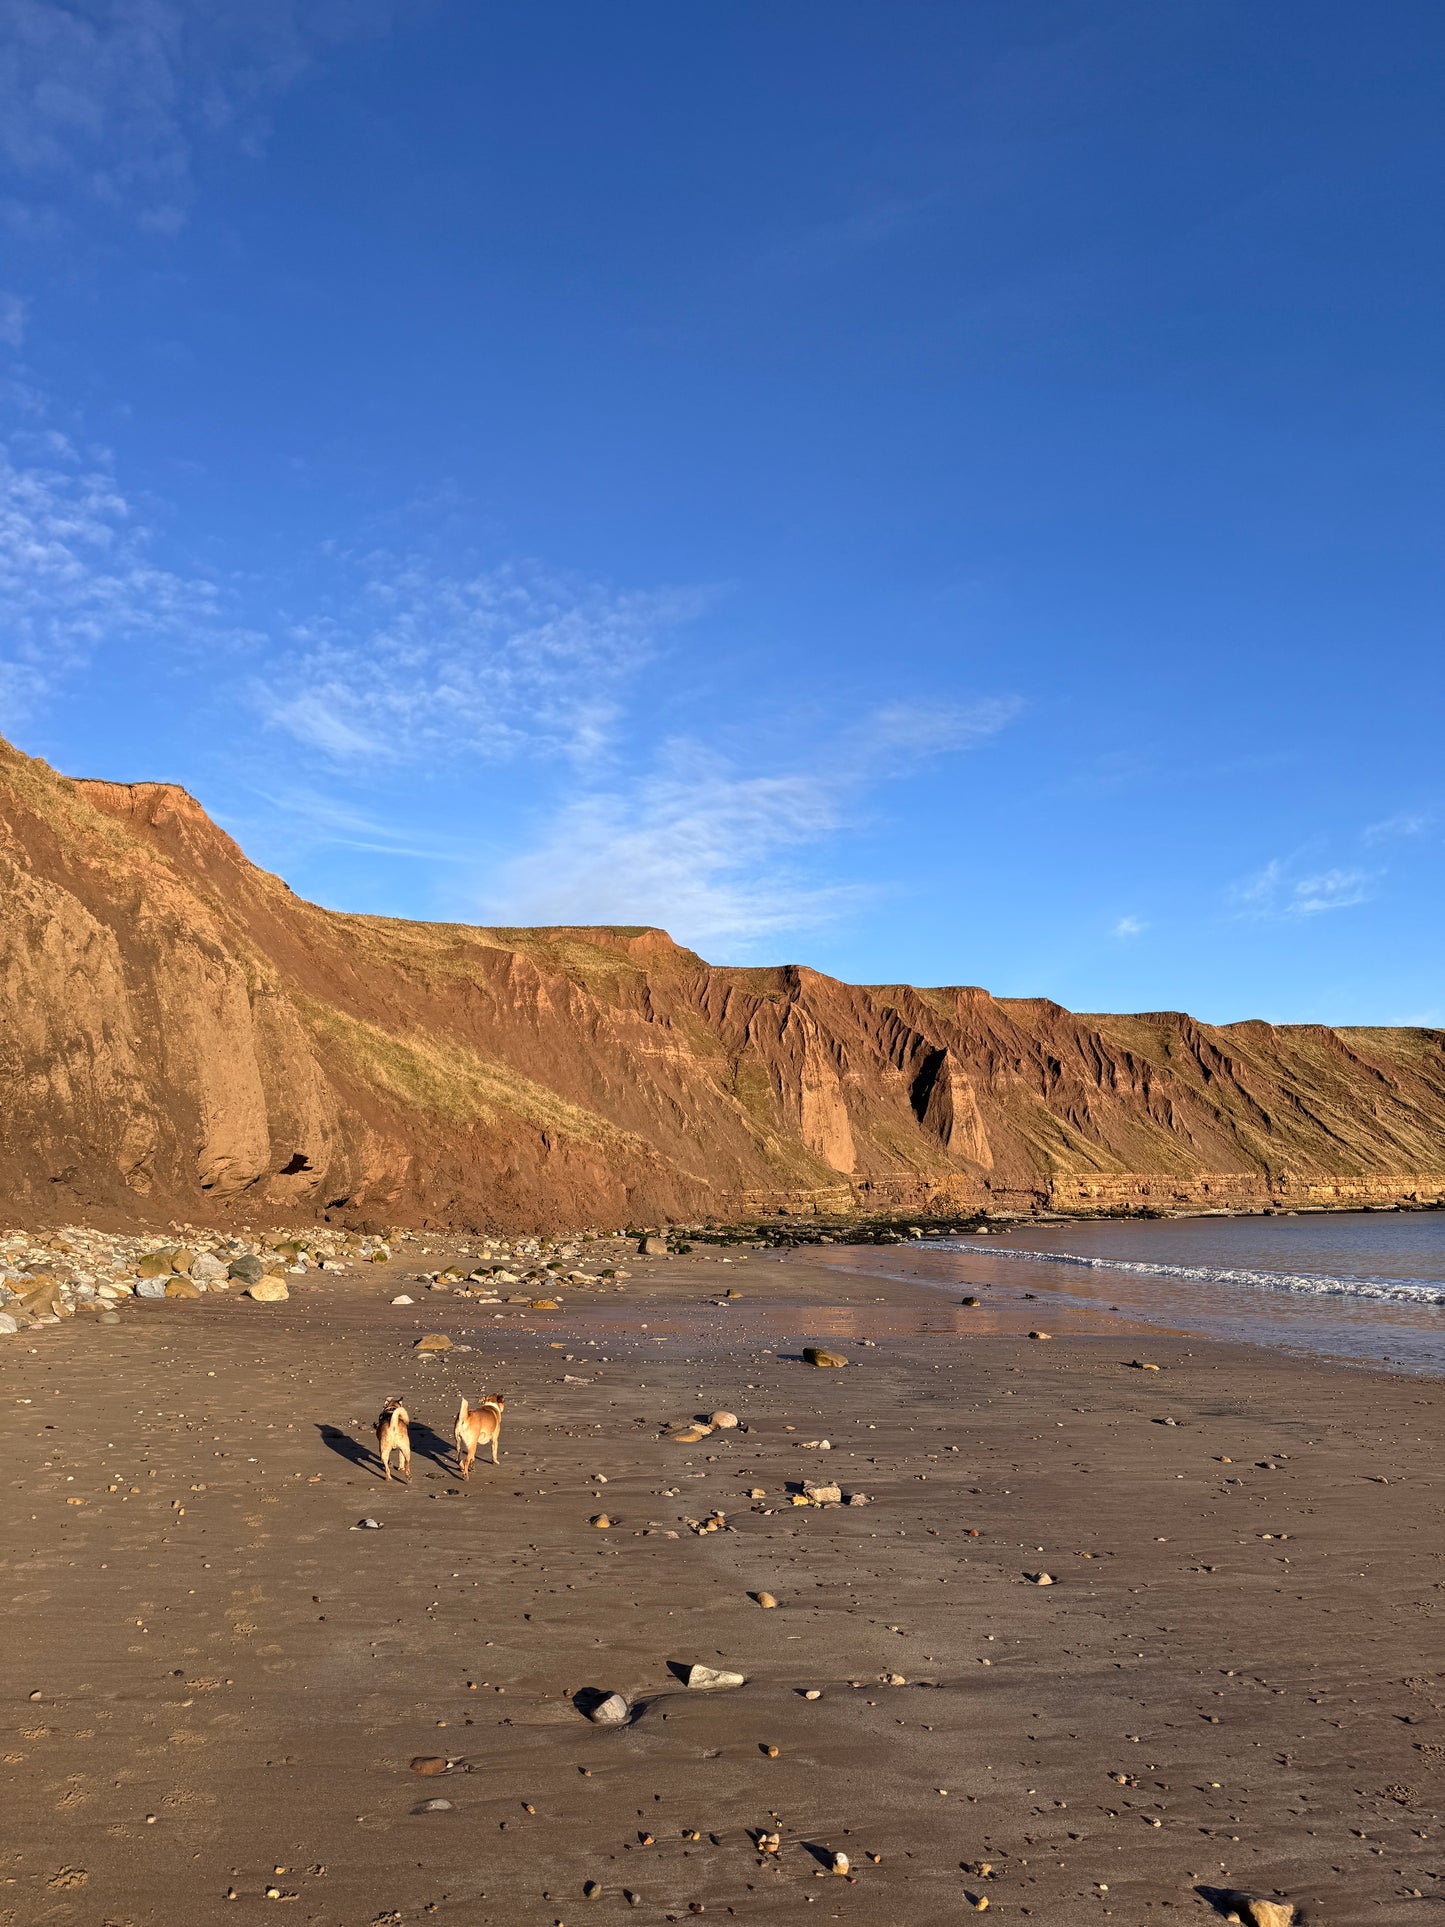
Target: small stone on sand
[(708, 1678), (613, 1711)]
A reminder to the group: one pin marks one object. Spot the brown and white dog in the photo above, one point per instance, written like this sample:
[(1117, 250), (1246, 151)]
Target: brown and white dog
[(475, 1426), (392, 1435)]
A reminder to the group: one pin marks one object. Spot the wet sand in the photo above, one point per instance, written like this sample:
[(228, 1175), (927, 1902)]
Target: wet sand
[(232, 1681)]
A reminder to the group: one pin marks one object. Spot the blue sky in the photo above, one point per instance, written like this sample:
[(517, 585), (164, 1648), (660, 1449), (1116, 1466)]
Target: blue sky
[(942, 492)]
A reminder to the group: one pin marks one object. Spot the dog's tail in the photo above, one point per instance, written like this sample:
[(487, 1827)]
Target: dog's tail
[(462, 1414), (399, 1411)]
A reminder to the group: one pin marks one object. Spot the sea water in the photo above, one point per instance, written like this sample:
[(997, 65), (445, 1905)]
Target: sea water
[(1366, 1285)]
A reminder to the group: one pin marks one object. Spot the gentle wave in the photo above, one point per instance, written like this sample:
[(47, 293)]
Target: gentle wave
[(1396, 1290)]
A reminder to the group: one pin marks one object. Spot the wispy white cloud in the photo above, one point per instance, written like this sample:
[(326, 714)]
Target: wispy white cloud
[(76, 567), (904, 732), (106, 102), (711, 852), (13, 311), (686, 848), (424, 663), (1329, 890), (1130, 927), (1274, 892), (1406, 824)]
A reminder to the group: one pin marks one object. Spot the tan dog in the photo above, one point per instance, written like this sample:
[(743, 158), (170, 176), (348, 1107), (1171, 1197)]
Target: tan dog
[(392, 1435), (476, 1427)]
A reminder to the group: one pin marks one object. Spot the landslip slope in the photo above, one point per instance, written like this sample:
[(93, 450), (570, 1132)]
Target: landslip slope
[(180, 1034)]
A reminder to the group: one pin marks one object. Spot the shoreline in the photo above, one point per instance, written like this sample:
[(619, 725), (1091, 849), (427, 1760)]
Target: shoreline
[(231, 1680)]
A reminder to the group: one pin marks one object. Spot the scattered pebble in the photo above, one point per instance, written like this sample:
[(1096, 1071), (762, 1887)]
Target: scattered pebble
[(613, 1711), (707, 1678)]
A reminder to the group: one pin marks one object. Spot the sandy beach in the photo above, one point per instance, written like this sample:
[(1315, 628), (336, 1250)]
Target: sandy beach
[(216, 1682)]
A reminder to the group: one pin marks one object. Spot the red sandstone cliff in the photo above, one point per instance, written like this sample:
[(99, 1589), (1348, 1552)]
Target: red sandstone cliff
[(182, 1034)]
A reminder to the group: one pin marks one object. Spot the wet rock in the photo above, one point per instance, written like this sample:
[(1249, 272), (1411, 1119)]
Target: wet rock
[(820, 1355), (708, 1679), (267, 1291), (433, 1342), (612, 1711), (1255, 1911)]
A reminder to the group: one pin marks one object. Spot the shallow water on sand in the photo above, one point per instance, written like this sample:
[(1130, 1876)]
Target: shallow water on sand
[(1368, 1286)]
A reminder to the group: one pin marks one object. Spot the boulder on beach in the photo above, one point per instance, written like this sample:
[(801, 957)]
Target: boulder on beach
[(433, 1342), (269, 1291), (1254, 1910), (612, 1711), (820, 1355), (709, 1679)]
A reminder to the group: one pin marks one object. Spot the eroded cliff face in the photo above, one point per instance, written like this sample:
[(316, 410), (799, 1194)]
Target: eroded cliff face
[(183, 1035)]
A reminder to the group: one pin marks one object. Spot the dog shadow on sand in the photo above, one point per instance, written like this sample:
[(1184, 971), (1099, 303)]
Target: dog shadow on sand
[(425, 1444)]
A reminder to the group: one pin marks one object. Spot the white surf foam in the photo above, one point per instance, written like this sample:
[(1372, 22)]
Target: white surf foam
[(1409, 1291)]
